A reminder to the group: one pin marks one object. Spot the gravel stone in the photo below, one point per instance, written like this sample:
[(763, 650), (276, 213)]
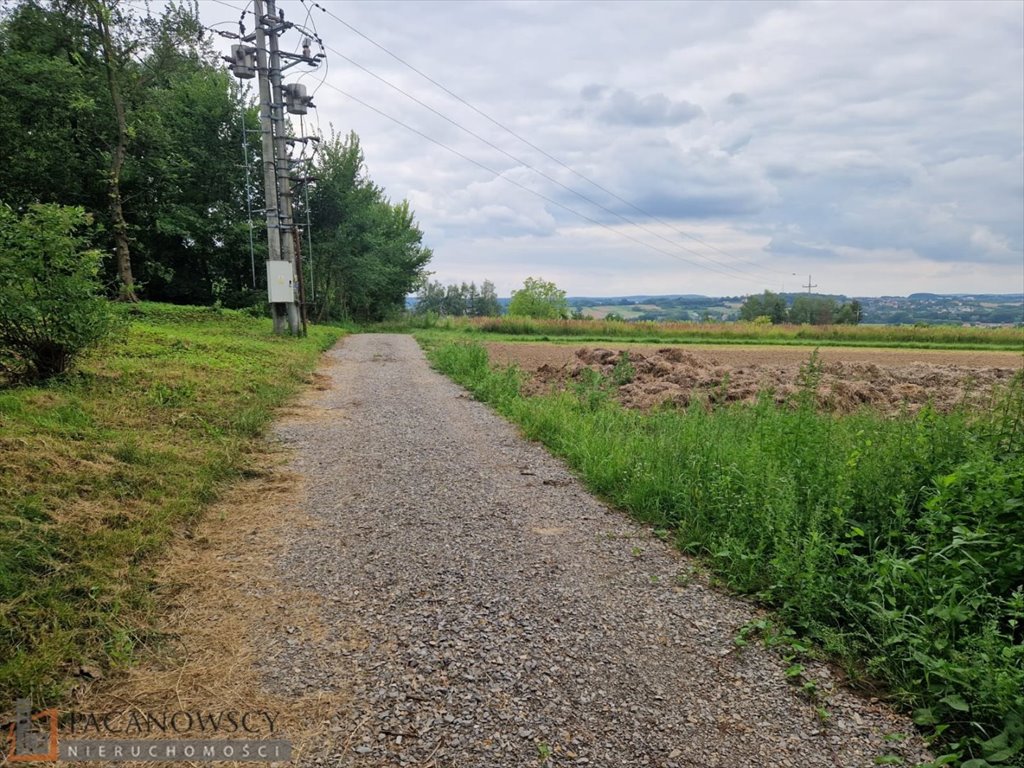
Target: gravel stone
[(486, 611)]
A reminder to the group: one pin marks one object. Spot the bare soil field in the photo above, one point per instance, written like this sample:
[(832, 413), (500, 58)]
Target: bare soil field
[(888, 379)]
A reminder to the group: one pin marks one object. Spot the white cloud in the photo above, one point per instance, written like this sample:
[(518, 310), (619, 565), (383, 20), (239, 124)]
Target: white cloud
[(987, 240)]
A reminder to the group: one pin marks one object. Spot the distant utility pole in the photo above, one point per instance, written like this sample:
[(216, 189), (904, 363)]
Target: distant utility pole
[(809, 286), (265, 61)]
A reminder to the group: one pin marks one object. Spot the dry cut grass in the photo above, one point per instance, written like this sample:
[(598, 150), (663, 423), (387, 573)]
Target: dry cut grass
[(222, 608)]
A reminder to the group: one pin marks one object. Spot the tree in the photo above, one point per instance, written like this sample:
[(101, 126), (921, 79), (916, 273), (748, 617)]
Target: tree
[(185, 177), (370, 253), (114, 66), (487, 302), (189, 223), (849, 314), (83, 43), (539, 298), (456, 302), (429, 298), (179, 228), (813, 310), (769, 305), (49, 114)]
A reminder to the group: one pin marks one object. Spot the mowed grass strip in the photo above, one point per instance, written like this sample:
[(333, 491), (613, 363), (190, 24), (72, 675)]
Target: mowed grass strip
[(99, 468), (895, 544), (575, 331)]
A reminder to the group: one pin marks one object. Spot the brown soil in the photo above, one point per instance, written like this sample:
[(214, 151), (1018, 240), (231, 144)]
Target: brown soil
[(890, 380)]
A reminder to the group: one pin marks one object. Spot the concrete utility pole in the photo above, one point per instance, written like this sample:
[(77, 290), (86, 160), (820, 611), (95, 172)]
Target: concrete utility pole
[(265, 61), (269, 163), (284, 191)]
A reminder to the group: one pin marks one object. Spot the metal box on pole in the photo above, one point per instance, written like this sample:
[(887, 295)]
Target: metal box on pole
[(280, 282)]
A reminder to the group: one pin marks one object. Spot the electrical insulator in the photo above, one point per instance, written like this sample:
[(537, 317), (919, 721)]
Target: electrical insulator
[(295, 99), (243, 62), (305, 47)]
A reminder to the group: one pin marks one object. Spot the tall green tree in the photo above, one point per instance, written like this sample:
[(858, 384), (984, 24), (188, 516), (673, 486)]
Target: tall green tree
[(190, 226), (135, 119), (813, 310), (50, 112), (850, 314), (430, 298), (768, 304), (115, 54), (539, 298), (369, 251), (487, 304)]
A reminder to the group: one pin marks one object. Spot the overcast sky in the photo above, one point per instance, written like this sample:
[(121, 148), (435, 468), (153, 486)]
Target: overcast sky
[(877, 146)]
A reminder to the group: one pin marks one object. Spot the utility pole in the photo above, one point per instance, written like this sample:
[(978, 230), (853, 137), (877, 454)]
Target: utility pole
[(809, 286), (269, 171), (284, 192), (265, 61)]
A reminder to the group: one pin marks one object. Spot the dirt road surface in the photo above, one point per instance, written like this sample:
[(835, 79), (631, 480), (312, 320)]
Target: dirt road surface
[(482, 610)]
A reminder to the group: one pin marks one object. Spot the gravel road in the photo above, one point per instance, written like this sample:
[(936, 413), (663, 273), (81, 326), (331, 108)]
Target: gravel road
[(485, 611)]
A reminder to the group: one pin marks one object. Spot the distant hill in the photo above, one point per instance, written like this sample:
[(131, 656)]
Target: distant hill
[(638, 298), (930, 308), (959, 309)]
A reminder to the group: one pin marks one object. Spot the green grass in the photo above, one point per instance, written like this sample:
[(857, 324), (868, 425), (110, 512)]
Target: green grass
[(575, 331), (99, 468), (896, 545)]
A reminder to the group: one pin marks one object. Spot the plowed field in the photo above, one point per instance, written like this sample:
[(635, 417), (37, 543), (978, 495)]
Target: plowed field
[(847, 378)]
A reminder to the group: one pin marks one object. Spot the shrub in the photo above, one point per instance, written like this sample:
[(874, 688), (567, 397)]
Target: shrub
[(51, 307)]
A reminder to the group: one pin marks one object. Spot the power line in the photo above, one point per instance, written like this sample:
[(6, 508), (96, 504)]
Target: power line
[(525, 188), (550, 178), (533, 146), (244, 10)]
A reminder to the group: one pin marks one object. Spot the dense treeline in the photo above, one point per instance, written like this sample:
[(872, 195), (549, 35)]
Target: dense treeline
[(464, 300), (805, 310), (135, 119), (180, 179)]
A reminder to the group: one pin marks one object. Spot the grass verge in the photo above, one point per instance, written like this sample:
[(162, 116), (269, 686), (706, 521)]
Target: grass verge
[(99, 468), (895, 544)]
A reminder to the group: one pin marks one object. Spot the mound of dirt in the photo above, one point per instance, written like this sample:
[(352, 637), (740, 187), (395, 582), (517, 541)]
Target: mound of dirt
[(678, 376)]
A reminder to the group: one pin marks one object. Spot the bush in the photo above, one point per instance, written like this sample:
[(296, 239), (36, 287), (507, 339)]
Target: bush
[(51, 307)]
